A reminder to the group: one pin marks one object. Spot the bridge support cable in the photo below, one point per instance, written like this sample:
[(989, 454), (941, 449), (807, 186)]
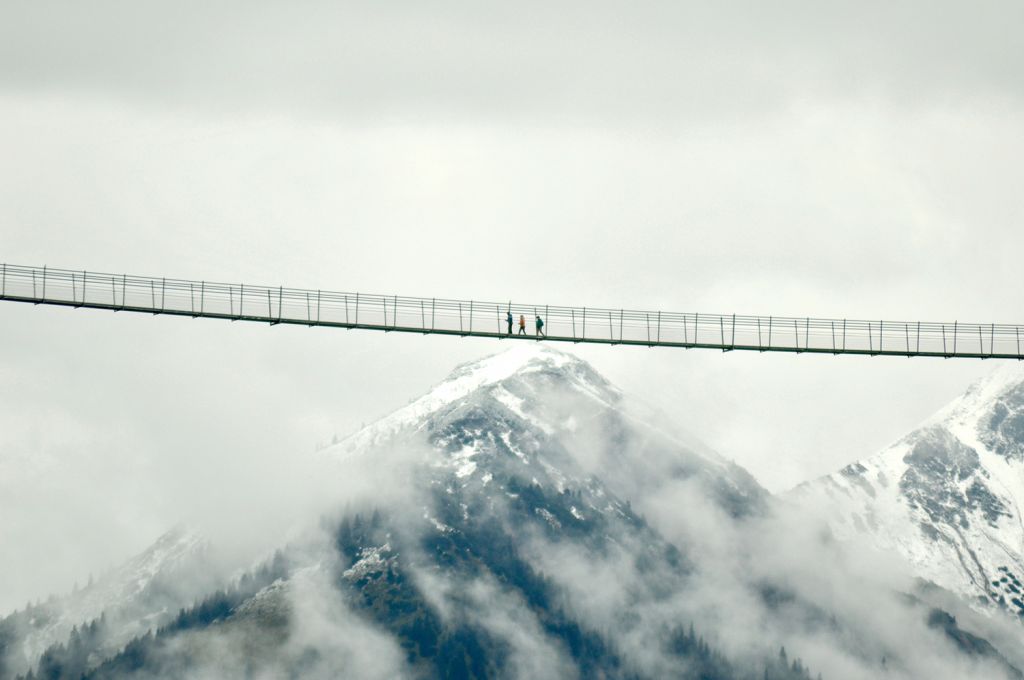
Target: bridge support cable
[(455, 317)]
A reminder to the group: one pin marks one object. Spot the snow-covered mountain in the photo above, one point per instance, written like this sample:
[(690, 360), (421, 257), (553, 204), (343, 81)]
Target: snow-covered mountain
[(544, 414), (135, 596), (470, 486), (949, 496), (495, 527)]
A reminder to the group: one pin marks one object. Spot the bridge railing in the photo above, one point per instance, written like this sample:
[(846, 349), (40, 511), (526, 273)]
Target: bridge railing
[(279, 304)]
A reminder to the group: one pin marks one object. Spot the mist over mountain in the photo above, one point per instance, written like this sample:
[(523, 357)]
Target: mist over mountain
[(527, 519), (948, 497)]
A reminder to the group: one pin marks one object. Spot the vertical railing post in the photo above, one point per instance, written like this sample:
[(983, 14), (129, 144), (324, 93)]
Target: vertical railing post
[(648, 315), (357, 309), (659, 326), (944, 339), (470, 317), (955, 323), (572, 316), (918, 350), (433, 309), (280, 295), (3, 291), (833, 324), (202, 297), (807, 332), (191, 298), (44, 283), (906, 332), (85, 279), (796, 334), (760, 345), (620, 325), (881, 334), (270, 308), (318, 307), (583, 334), (394, 315), (241, 300), (163, 294), (124, 291), (733, 331)]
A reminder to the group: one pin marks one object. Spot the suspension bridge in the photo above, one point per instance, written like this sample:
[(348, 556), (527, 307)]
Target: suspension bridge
[(474, 318)]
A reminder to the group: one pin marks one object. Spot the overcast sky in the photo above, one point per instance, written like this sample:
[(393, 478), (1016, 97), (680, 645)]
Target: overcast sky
[(853, 160)]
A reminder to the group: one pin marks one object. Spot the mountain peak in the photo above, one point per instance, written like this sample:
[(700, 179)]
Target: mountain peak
[(969, 408), (522, 360), (519, 359), (948, 496)]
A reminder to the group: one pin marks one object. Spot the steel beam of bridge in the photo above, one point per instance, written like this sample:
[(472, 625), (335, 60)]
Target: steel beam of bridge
[(394, 313)]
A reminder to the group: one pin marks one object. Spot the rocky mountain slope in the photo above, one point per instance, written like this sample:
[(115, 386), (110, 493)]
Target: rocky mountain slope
[(948, 497), (132, 598)]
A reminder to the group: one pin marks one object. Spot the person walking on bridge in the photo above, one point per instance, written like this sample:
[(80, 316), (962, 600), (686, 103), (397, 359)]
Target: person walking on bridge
[(522, 325), (508, 319), (540, 327)]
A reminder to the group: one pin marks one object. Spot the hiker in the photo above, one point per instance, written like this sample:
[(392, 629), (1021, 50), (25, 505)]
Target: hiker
[(522, 325), (540, 327), (509, 320)]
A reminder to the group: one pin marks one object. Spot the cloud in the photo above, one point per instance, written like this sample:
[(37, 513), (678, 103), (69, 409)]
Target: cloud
[(573, 61)]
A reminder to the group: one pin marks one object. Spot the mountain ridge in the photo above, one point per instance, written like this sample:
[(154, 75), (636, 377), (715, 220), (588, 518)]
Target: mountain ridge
[(948, 496)]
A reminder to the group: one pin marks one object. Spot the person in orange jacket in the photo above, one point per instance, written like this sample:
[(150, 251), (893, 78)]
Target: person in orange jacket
[(522, 325)]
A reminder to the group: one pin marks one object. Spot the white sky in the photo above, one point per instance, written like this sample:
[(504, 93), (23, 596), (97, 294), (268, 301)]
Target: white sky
[(857, 160)]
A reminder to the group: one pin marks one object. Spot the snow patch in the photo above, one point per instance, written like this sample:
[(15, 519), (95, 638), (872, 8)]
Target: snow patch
[(551, 519), (370, 562)]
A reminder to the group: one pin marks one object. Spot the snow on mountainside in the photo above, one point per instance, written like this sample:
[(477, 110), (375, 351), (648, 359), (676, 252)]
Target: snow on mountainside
[(948, 497), (538, 389), (134, 596)]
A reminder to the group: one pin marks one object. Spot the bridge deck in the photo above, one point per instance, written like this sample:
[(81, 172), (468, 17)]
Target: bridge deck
[(395, 313)]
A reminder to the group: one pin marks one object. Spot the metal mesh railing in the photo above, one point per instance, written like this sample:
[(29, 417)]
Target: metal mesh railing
[(278, 304)]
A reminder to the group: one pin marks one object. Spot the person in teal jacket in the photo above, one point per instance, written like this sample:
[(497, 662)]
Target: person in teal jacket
[(540, 327)]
